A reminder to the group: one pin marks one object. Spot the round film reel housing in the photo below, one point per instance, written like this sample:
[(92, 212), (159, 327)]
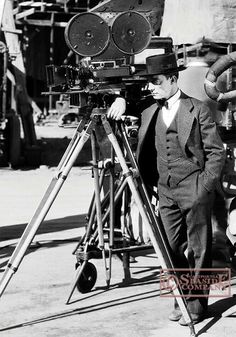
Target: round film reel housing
[(87, 34), (131, 32)]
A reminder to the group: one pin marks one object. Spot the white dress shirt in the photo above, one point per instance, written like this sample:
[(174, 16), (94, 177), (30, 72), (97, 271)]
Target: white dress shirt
[(169, 113)]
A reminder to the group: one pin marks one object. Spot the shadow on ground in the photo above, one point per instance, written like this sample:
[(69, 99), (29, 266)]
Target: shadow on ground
[(15, 232), (91, 308), (49, 226)]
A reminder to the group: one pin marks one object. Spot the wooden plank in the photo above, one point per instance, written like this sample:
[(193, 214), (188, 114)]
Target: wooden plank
[(14, 31), (46, 23), (125, 5), (26, 3), (8, 25), (15, 11), (25, 13), (2, 4)]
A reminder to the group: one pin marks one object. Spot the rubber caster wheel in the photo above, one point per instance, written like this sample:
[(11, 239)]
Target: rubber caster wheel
[(87, 278)]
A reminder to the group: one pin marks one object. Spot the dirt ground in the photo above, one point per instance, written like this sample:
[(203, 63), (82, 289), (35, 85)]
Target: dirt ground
[(34, 302)]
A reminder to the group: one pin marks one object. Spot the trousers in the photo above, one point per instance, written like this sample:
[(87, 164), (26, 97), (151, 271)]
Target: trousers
[(185, 211)]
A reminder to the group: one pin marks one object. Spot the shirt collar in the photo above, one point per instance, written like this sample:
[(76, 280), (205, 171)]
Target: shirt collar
[(173, 99)]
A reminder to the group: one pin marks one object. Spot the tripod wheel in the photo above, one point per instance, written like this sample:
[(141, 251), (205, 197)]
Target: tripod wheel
[(87, 278)]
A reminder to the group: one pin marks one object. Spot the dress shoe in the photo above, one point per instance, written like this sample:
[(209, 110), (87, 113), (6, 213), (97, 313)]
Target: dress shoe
[(196, 318), (175, 315)]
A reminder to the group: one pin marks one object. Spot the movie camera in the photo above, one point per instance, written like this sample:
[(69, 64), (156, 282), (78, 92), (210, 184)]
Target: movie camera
[(110, 48)]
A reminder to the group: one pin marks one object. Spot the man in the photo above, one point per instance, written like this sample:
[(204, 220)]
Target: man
[(180, 152)]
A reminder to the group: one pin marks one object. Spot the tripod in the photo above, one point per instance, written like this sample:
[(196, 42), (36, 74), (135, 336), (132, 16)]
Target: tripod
[(84, 131), (116, 232)]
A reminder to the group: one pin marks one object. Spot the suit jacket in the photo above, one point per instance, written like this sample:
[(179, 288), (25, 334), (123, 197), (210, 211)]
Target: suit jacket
[(198, 138)]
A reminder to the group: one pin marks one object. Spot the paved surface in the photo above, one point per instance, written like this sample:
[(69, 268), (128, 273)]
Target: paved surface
[(33, 303)]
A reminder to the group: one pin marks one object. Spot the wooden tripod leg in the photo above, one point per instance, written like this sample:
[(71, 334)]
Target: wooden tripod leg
[(43, 208)]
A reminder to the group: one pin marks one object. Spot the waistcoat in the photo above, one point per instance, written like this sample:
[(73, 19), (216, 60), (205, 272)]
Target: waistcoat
[(173, 165)]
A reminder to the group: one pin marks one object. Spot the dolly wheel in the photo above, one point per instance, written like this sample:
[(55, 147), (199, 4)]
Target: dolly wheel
[(87, 278)]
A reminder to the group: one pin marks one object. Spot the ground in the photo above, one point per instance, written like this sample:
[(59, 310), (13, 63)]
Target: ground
[(34, 301)]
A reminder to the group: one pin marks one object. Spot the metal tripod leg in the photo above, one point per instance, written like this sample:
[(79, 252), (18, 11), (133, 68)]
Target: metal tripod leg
[(112, 213), (91, 233), (64, 168), (150, 222), (78, 274), (89, 237), (98, 205), (90, 216), (114, 196)]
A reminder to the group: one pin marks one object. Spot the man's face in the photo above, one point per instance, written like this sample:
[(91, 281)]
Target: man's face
[(160, 86)]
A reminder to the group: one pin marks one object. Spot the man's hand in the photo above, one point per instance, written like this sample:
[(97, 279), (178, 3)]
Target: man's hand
[(117, 109)]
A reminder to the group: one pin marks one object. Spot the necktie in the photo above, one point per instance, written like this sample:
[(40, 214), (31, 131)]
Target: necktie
[(162, 102)]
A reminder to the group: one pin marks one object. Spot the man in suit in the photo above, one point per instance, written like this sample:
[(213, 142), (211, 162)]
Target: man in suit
[(180, 152)]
